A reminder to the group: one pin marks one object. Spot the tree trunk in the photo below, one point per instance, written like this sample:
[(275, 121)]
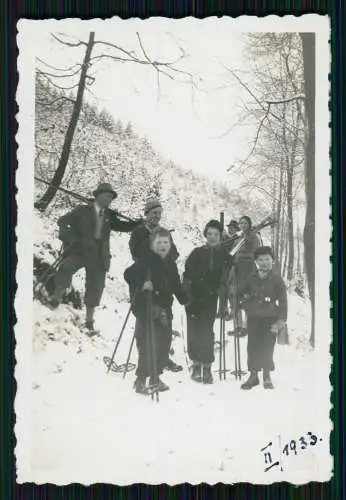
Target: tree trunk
[(282, 240), (299, 267), (279, 210), (290, 235), (286, 254), (308, 42), (274, 203), (46, 199)]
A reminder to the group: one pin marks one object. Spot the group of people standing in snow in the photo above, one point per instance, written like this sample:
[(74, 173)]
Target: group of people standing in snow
[(85, 233)]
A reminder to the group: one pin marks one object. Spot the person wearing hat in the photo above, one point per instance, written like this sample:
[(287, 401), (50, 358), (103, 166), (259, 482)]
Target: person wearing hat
[(264, 298), (85, 233), (202, 278), (140, 247), (139, 241), (232, 227)]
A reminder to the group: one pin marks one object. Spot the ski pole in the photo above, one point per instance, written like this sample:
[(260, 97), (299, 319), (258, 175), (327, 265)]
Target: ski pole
[(224, 347), (153, 387), (45, 276), (129, 354), (237, 359), (236, 346), (109, 361), (53, 267), (119, 338), (183, 339)]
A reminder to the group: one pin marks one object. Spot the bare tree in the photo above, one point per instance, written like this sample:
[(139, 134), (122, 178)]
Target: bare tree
[(277, 147), (43, 203), (289, 120), (115, 53)]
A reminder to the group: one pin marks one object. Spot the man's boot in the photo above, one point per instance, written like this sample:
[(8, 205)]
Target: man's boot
[(89, 323), (207, 375), (251, 382), (89, 329), (196, 373), (55, 299), (267, 381)]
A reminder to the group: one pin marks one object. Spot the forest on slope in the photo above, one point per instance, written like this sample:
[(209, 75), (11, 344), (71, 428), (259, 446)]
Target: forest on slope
[(105, 150)]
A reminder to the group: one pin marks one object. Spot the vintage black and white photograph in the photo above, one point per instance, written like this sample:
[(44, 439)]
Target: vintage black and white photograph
[(173, 246)]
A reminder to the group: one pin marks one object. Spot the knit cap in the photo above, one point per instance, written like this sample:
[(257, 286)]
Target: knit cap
[(150, 204)]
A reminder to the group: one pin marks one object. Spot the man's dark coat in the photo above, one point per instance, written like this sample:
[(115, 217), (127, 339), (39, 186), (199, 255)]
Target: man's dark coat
[(77, 228)]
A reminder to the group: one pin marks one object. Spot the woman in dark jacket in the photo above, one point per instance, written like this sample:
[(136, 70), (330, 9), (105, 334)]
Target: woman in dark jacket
[(202, 277), (244, 260)]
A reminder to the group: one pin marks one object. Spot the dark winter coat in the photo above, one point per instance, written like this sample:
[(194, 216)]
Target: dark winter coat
[(265, 297), (77, 229), (202, 277), (163, 273), (140, 243)]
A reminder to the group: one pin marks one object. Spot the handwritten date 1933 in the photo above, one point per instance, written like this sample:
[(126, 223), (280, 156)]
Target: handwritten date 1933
[(300, 444)]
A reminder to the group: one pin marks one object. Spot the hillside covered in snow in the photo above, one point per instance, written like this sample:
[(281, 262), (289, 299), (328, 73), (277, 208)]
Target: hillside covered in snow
[(90, 426)]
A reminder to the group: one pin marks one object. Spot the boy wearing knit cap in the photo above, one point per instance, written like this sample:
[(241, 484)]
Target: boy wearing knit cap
[(155, 273), (140, 246), (264, 297)]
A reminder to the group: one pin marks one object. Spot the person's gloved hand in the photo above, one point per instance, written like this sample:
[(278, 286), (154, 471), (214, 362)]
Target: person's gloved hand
[(148, 286)]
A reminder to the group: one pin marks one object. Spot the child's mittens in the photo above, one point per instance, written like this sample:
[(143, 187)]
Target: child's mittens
[(148, 286), (276, 327)]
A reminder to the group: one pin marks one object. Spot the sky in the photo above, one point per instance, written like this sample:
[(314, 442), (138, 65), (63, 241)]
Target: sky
[(184, 124)]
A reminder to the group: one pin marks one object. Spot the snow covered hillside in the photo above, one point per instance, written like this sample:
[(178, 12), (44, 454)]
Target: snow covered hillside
[(90, 426)]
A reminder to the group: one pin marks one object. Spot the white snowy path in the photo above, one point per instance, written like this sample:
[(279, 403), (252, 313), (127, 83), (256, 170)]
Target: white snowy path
[(91, 427)]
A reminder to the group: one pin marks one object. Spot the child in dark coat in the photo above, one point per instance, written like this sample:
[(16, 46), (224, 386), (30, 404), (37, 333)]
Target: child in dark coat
[(264, 297), (202, 278), (157, 275)]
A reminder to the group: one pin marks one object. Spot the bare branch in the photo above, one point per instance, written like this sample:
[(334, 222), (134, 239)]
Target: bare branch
[(70, 68), (130, 53), (288, 99), (109, 56), (261, 104), (69, 44), (55, 84), (62, 76), (255, 141), (143, 50), (43, 103)]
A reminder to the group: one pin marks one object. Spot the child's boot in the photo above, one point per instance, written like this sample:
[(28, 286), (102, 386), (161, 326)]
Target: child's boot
[(139, 385), (196, 374), (251, 382), (158, 384), (207, 375), (267, 381)]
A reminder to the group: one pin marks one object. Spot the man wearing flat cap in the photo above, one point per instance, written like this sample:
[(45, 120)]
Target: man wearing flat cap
[(85, 233), (139, 241)]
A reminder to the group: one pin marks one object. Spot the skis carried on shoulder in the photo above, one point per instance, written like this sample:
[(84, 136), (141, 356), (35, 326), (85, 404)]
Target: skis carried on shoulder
[(266, 222)]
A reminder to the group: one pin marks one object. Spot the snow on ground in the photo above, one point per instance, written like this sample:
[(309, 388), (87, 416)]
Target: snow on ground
[(90, 426)]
